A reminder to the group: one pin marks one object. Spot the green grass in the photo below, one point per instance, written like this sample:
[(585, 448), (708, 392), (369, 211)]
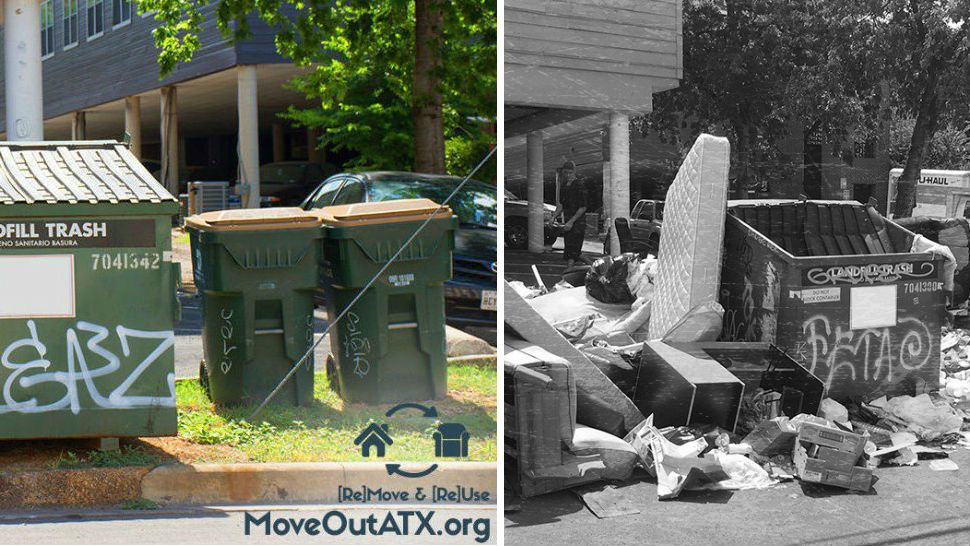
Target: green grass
[(139, 504), (325, 430), (180, 236), (125, 456)]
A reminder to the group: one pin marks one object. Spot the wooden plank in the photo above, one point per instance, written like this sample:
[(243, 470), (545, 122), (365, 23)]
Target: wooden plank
[(868, 231), (838, 229), (121, 192), (665, 70), (27, 186), (825, 230), (664, 19), (593, 388), (879, 224), (100, 195), (31, 158), (852, 230), (570, 50), (141, 193)]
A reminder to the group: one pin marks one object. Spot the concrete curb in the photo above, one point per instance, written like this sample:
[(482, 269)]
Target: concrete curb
[(307, 482), (474, 360)]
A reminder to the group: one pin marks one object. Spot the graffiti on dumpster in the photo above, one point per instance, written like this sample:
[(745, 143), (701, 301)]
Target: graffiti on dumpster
[(356, 345), (30, 367), (870, 355), (755, 318), (225, 331), (871, 273)]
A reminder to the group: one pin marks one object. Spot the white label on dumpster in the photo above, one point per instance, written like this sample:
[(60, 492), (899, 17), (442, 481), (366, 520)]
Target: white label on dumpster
[(36, 286), (872, 307), (821, 295)]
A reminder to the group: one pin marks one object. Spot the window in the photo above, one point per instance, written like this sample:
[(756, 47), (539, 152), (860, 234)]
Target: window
[(352, 192), (70, 22), (95, 18), (46, 28), (120, 12), (324, 196)]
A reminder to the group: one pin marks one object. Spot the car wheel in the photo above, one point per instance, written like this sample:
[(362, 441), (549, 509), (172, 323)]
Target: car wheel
[(653, 245), (332, 378), (550, 239), (516, 236)]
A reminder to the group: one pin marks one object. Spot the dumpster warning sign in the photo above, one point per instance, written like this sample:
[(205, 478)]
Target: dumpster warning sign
[(60, 233)]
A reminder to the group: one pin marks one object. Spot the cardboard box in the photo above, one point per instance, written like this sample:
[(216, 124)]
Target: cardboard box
[(815, 470), (840, 440)]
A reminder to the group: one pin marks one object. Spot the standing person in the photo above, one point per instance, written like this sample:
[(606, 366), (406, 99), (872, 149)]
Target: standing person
[(572, 202)]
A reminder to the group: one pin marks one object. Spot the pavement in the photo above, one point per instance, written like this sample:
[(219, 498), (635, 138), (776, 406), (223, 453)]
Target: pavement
[(188, 339), (227, 524), (518, 263), (912, 505)]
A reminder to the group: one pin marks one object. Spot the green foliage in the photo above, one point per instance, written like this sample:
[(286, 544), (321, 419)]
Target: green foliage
[(948, 149), (140, 504), (359, 57)]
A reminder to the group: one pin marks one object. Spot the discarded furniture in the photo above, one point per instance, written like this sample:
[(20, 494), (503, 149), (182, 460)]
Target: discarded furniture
[(680, 388), (764, 366), (689, 266), (600, 403), (545, 449), (88, 296), (834, 285)]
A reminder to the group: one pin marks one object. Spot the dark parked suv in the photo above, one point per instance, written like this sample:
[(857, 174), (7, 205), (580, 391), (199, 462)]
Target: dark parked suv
[(471, 294), (517, 223)]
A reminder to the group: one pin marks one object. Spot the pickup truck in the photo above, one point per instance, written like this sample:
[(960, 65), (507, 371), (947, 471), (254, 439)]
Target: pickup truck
[(645, 222)]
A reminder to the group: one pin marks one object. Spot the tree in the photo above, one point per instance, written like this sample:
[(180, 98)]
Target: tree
[(948, 149), (400, 82), (754, 69), (930, 61)]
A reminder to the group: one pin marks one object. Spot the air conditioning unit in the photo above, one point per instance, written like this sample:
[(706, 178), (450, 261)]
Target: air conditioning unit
[(208, 196)]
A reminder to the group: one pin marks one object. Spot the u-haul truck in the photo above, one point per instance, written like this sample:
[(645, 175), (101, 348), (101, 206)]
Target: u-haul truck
[(939, 194)]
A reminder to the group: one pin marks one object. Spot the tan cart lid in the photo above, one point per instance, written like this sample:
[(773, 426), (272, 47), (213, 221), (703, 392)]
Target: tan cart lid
[(253, 219), (381, 212)]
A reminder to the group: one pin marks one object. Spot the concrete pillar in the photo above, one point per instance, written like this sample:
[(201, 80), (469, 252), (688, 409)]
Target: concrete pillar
[(133, 124), (607, 195), (79, 126), (314, 154), (535, 184), (620, 165), (248, 107), (279, 143), (170, 140), (24, 76)]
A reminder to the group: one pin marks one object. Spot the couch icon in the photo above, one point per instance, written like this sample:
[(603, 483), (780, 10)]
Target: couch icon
[(450, 440)]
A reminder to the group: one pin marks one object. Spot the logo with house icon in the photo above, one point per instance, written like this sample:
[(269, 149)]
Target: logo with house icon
[(374, 436)]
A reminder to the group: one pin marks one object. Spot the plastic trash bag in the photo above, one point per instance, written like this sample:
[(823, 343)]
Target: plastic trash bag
[(606, 279)]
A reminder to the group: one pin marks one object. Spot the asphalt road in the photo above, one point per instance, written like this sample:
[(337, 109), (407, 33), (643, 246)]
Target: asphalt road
[(911, 505), (200, 525)]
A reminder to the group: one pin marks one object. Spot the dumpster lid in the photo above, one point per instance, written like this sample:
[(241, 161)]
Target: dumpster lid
[(253, 219), (381, 212), (101, 171)]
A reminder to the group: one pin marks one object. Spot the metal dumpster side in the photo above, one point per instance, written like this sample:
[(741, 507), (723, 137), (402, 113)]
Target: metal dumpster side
[(865, 324), (87, 293)]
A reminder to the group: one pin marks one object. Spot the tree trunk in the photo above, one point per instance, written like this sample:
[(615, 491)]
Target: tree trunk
[(426, 110), (926, 122)]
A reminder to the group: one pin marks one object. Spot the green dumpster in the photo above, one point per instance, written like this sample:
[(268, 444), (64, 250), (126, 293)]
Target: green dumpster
[(391, 346), (256, 271), (88, 297)]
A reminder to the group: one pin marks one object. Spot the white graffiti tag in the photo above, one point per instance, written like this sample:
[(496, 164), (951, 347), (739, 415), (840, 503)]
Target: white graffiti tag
[(867, 355), (80, 370), (356, 345)]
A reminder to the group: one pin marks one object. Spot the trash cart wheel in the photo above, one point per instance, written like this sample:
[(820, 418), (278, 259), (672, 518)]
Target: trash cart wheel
[(332, 374), (204, 379)]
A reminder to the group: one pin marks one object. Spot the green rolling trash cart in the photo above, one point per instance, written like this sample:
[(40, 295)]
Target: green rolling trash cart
[(391, 346)]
